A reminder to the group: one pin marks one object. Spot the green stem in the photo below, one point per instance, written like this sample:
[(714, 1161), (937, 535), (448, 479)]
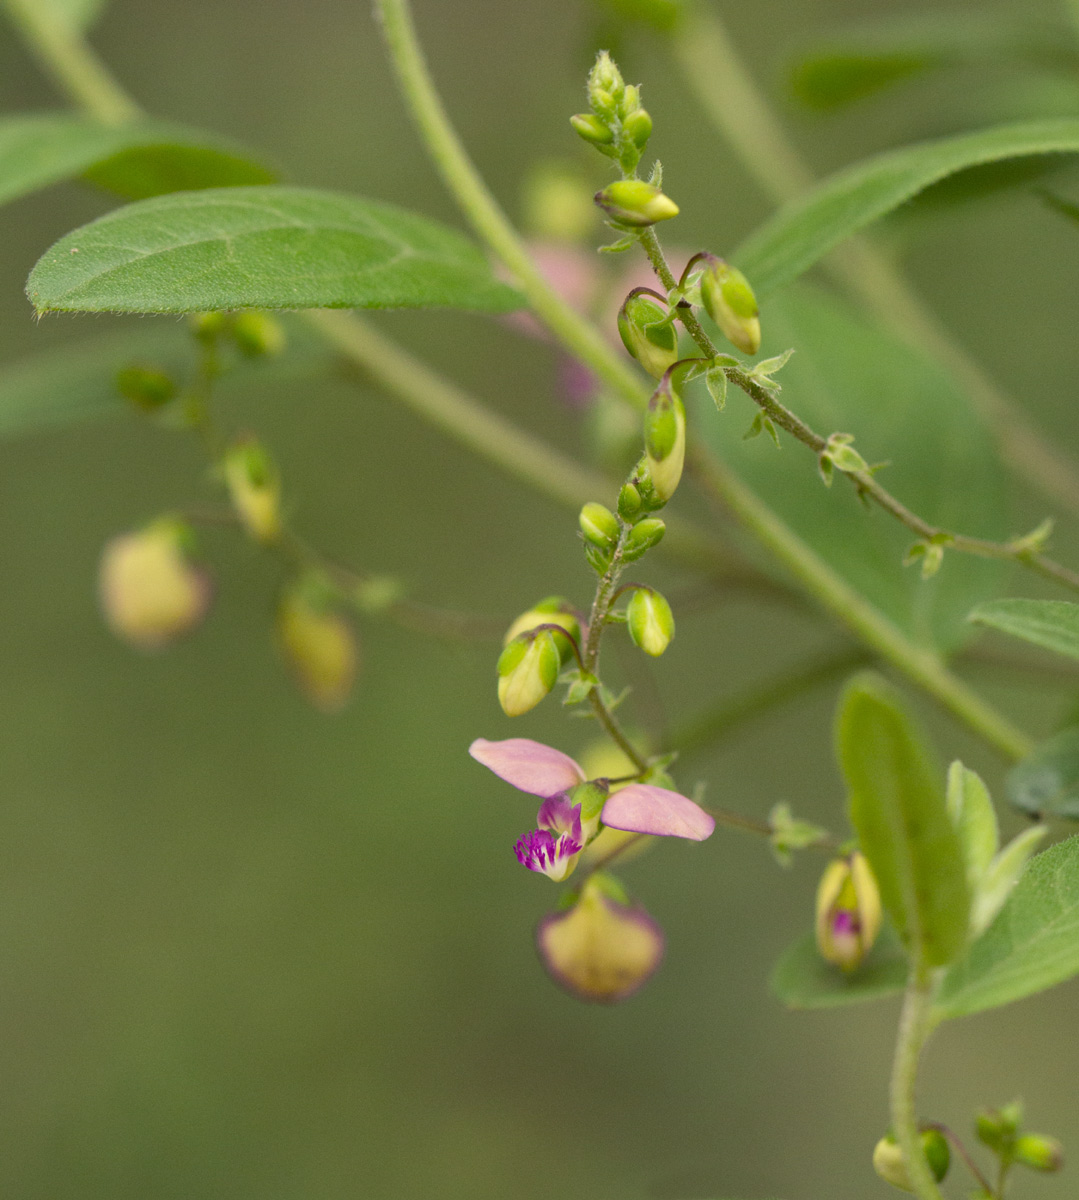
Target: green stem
[(915, 1025)]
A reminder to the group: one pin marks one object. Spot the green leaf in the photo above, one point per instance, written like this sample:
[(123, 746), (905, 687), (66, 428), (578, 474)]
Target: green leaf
[(898, 810), (79, 14), (1032, 945), (263, 247), (1053, 624), (802, 979), (803, 232), (144, 158), (1047, 783), (971, 811), (849, 375)]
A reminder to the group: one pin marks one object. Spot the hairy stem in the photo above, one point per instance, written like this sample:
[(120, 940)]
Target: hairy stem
[(914, 1029)]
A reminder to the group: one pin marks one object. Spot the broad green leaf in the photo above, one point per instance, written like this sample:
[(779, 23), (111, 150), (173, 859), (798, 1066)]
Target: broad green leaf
[(898, 810), (802, 979), (1047, 783), (1032, 945), (847, 375), (1053, 624), (803, 232), (263, 247), (142, 159)]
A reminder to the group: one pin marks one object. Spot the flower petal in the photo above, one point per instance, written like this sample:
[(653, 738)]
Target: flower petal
[(645, 808), (530, 766)]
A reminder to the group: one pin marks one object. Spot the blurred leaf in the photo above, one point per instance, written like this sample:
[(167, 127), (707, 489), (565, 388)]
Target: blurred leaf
[(263, 247), (835, 78), (1066, 208), (848, 375), (80, 14), (137, 160), (898, 810), (803, 232), (1047, 783), (1032, 945), (1053, 624), (802, 979)]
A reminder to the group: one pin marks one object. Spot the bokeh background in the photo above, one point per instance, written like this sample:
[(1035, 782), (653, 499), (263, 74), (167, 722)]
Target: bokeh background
[(250, 951)]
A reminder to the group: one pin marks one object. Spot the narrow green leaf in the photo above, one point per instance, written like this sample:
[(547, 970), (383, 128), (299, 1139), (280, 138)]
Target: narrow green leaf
[(1032, 945), (263, 247), (144, 158), (1047, 783), (803, 232), (1053, 624), (971, 811), (898, 810), (802, 979), (79, 14)]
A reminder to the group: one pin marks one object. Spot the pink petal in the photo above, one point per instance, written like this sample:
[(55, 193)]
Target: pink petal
[(534, 768), (645, 808)]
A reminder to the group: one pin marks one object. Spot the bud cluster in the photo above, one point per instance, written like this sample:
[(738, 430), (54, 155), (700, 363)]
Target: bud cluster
[(617, 125)]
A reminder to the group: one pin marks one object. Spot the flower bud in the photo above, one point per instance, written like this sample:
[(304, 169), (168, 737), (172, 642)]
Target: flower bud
[(665, 440), (642, 537), (629, 502), (554, 610), (150, 592), (147, 387), (646, 333), (997, 1127), (650, 621), (208, 326), (527, 670), (636, 203), (605, 81), (638, 127), (848, 911), (257, 334), (255, 489), (889, 1164), (592, 129), (319, 647), (730, 302), (599, 525), (1038, 1152)]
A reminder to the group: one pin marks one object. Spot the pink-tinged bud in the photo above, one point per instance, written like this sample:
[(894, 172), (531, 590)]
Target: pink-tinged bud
[(635, 203), (150, 592), (730, 302), (603, 949), (255, 489), (848, 911), (320, 649)]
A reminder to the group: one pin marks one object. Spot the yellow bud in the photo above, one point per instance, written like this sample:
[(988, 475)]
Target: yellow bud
[(848, 911), (527, 670), (552, 611), (730, 302), (320, 648), (636, 203), (255, 490)]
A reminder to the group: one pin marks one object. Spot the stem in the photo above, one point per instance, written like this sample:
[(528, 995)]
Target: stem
[(914, 1029)]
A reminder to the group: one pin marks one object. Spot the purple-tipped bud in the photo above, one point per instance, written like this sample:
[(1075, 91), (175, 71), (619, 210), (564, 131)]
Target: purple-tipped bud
[(848, 911), (1039, 1153)]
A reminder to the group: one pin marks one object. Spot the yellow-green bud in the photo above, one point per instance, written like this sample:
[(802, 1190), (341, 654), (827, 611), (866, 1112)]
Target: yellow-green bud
[(209, 326), (554, 610), (255, 489), (1038, 1152), (636, 203), (889, 1164), (320, 649), (592, 129), (665, 441), (848, 911), (257, 334), (646, 333), (642, 537), (650, 621), (629, 502), (147, 387), (599, 525), (730, 302), (638, 127), (527, 670), (997, 1127), (605, 80)]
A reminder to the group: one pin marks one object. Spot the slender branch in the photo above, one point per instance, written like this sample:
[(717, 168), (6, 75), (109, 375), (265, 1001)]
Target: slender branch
[(914, 1030)]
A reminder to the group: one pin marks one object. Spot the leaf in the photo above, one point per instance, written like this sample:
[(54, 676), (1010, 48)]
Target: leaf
[(1047, 783), (79, 14), (971, 811), (263, 247), (1053, 624), (802, 979), (801, 233), (898, 810), (849, 375), (141, 159), (1032, 945)]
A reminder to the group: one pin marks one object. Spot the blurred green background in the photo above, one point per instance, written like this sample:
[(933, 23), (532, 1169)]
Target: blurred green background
[(249, 951)]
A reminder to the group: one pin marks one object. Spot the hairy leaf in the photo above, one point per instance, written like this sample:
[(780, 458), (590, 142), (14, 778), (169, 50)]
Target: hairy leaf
[(263, 247), (1047, 783), (144, 158), (1053, 624), (803, 232), (1032, 945), (802, 979), (898, 810)]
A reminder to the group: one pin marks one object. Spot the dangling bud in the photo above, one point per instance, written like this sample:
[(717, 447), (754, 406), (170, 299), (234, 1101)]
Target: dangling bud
[(554, 610), (650, 621), (848, 911), (603, 948), (665, 439), (636, 203), (647, 333), (150, 592), (1038, 1152), (318, 645), (527, 670), (889, 1164), (592, 129), (147, 387), (730, 302), (255, 489), (642, 537), (257, 334), (599, 526)]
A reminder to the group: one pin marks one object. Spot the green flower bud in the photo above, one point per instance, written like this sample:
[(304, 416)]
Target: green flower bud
[(848, 911), (554, 610), (629, 502), (599, 525), (646, 333), (147, 387), (665, 440), (636, 203), (889, 1164), (605, 80), (257, 334), (642, 537), (527, 670), (209, 326), (319, 647), (638, 127), (730, 302), (650, 621), (255, 489), (997, 1127), (592, 129), (1038, 1152)]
